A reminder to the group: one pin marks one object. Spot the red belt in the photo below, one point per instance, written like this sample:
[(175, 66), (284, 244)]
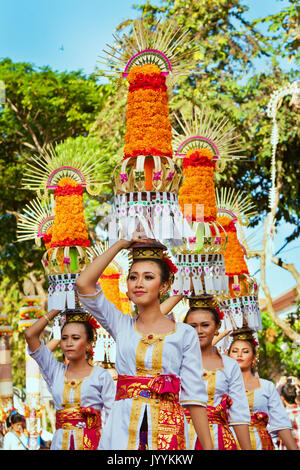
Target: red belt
[(86, 422), (160, 387), (219, 415), (166, 413), (259, 420)]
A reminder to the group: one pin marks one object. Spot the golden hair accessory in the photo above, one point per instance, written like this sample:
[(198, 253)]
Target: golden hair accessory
[(203, 302), (153, 251), (81, 317), (243, 334)]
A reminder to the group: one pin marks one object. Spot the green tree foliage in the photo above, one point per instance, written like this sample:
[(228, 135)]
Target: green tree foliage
[(225, 79), (277, 354), (43, 107)]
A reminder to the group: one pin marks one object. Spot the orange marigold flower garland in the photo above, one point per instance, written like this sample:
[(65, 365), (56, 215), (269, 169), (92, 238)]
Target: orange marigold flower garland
[(234, 255), (148, 128), (109, 281), (198, 185), (69, 227)]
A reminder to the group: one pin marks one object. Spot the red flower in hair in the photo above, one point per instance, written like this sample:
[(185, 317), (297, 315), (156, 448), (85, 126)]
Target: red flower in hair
[(93, 322), (254, 342), (221, 314), (171, 265)]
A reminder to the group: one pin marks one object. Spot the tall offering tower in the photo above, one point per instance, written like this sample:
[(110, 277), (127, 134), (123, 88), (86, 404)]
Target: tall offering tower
[(202, 144), (146, 182)]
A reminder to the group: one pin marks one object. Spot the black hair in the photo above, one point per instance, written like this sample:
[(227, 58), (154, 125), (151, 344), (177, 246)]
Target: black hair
[(289, 392), (213, 311), (165, 273), (14, 418)]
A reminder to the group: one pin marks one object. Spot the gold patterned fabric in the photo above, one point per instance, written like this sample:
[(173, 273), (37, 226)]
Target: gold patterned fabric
[(166, 414), (86, 424), (259, 421)]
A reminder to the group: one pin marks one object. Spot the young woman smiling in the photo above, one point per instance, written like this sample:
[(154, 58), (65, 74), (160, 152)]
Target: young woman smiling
[(156, 358), (265, 403), (82, 393), (224, 382)]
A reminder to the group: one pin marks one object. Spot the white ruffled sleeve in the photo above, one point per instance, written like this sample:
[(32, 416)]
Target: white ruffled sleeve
[(48, 365), (193, 389), (278, 417), (239, 412)]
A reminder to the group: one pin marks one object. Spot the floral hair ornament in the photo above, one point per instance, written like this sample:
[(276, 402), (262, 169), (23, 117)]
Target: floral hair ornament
[(245, 334), (173, 269), (80, 316)]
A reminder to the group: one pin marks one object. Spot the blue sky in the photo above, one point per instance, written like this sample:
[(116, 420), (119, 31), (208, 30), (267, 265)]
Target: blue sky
[(35, 30), (70, 35)]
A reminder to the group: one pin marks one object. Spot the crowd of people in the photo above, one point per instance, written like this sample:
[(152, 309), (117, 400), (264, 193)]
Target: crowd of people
[(174, 390)]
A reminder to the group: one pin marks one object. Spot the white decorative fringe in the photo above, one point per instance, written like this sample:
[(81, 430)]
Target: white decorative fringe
[(61, 292), (160, 219), (205, 272), (242, 311)]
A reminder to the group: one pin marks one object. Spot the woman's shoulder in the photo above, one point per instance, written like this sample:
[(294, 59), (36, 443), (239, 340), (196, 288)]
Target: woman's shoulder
[(229, 362), (266, 384), (186, 333), (101, 372), (185, 330)]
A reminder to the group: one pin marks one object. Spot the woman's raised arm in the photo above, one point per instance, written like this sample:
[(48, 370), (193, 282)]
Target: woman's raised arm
[(86, 281), (33, 332), (167, 305)]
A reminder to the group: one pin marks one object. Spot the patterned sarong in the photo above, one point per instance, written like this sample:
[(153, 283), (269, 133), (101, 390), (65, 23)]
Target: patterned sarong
[(86, 422), (166, 414)]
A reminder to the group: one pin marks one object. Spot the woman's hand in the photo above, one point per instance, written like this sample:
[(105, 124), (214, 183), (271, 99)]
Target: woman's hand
[(53, 313), (137, 237), (33, 332), (220, 336), (86, 282)]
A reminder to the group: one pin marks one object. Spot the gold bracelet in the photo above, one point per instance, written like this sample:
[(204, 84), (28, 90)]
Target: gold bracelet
[(47, 319)]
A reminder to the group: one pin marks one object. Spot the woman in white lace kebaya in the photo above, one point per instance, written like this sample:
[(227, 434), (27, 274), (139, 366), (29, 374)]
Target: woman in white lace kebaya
[(268, 415), (227, 400), (82, 393), (158, 361)]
